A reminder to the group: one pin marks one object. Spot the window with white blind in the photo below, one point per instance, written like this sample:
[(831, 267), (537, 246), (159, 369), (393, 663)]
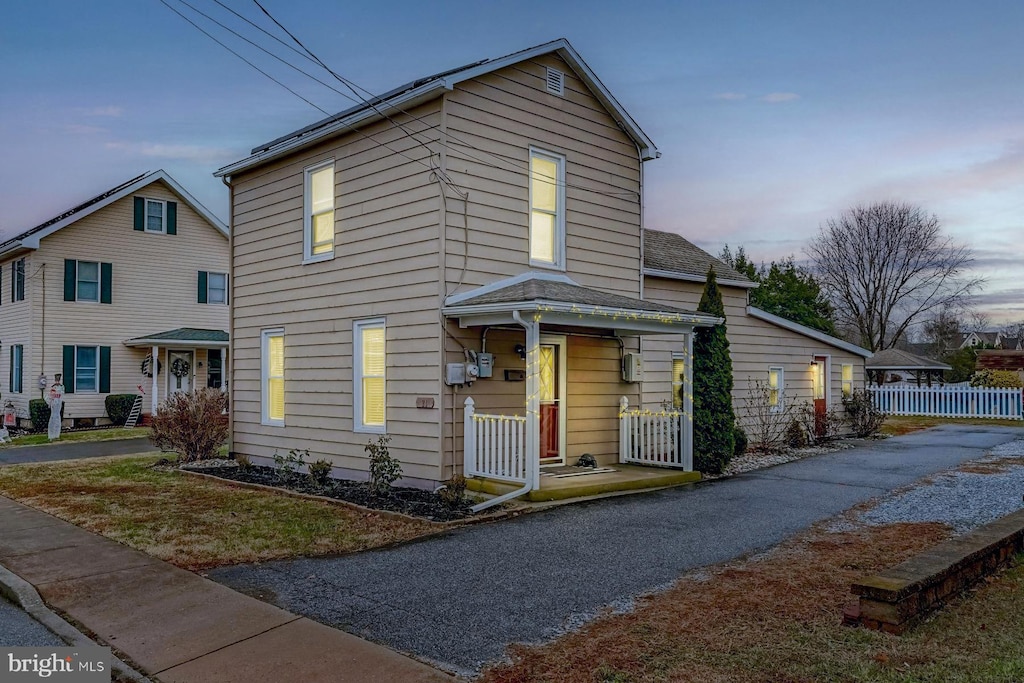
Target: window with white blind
[(847, 380), (272, 362), (678, 378), (547, 209), (370, 384), (318, 218), (776, 388)]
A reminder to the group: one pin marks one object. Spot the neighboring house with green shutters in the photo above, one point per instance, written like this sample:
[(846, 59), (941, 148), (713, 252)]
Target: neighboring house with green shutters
[(96, 291)]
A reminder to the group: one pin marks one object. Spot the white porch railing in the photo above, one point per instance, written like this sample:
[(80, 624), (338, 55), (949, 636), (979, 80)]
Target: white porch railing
[(949, 401), (652, 438), (494, 445)]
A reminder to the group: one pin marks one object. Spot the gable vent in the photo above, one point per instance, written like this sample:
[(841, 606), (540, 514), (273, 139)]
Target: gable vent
[(556, 82)]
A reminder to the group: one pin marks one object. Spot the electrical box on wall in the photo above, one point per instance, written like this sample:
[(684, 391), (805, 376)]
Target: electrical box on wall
[(485, 363), (455, 373), (632, 367)]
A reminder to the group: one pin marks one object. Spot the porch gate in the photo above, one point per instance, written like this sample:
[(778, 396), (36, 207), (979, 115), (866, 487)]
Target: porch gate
[(652, 438), (494, 446)]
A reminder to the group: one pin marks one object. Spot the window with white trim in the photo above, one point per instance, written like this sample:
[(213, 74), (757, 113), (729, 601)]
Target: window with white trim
[(547, 209), (87, 369), (847, 378), (87, 282), (217, 288), (776, 388), (18, 280), (17, 369), (272, 377), (678, 379), (318, 219), (156, 216), (369, 381)]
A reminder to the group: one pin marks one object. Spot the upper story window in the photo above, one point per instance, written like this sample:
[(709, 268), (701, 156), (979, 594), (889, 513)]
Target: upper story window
[(547, 209), (18, 280), (213, 288), (156, 216), (88, 283), (318, 218)]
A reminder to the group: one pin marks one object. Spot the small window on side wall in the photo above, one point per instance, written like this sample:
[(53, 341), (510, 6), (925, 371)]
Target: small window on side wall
[(678, 380), (272, 389), (318, 207), (847, 380), (370, 362), (776, 388), (547, 209)]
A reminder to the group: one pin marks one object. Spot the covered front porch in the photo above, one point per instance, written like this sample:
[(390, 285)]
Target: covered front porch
[(181, 360), (577, 424)]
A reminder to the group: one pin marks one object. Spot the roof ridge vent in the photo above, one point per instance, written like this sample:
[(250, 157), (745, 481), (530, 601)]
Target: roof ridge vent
[(555, 82)]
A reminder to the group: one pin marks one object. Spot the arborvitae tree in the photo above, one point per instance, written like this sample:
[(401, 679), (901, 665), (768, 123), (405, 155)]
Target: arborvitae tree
[(713, 418)]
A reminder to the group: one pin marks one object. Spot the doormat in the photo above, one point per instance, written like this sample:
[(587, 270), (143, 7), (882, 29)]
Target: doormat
[(573, 471)]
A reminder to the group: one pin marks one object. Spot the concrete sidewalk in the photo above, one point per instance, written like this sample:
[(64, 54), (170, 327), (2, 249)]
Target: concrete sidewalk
[(75, 450), (177, 626)]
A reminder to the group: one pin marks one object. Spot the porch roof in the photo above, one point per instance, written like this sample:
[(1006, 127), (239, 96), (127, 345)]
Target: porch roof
[(558, 300), (183, 336)]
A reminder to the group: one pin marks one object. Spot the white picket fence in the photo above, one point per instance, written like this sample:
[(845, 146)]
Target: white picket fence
[(949, 401), (494, 445), (652, 437)]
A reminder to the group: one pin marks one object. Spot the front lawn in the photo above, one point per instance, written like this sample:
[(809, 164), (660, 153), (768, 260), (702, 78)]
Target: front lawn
[(192, 522), (112, 434), (898, 425), (776, 617)]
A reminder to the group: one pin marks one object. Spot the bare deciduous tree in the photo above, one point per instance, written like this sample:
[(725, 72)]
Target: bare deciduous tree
[(886, 266)]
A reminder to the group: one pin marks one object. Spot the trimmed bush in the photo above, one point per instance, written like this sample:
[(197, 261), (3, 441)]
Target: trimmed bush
[(1000, 379), (713, 418), (385, 469), (320, 472), (796, 436), (190, 424), (739, 441), (119, 406), (39, 412)]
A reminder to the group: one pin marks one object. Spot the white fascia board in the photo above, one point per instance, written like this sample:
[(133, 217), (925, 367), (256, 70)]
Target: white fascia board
[(132, 343), (508, 282), (363, 117), (689, 277), (807, 332)]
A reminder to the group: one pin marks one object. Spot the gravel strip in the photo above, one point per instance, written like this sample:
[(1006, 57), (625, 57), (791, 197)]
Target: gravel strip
[(963, 500)]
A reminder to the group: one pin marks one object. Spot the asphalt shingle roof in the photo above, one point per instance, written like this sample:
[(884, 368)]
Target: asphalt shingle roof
[(898, 359), (674, 253), (186, 334), (548, 290)]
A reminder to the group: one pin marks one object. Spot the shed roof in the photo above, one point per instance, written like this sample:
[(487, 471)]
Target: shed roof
[(898, 359)]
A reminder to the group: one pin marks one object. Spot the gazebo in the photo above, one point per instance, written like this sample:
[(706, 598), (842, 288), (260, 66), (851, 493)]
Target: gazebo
[(888, 361)]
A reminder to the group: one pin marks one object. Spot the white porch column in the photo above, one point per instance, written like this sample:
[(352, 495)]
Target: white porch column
[(155, 366), (533, 400), (687, 424)]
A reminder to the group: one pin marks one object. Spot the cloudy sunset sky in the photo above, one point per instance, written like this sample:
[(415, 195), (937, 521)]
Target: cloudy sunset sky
[(771, 116)]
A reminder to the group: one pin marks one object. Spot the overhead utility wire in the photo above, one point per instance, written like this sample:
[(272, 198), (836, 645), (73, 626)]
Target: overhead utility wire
[(352, 86)]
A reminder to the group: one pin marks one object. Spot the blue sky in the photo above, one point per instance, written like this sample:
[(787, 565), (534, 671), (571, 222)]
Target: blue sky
[(772, 116)]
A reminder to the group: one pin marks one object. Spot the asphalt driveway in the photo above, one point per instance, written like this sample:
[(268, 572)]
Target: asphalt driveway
[(458, 600), (74, 450)]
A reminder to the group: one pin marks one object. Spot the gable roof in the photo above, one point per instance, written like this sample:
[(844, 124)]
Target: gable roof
[(30, 238), (809, 332), (669, 255), (430, 87), (898, 359)]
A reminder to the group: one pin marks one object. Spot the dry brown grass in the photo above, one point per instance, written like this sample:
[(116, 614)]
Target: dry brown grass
[(990, 466), (777, 618), (898, 425), (191, 522)]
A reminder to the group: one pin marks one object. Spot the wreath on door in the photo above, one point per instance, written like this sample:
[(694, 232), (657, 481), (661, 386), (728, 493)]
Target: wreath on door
[(147, 366), (180, 367)]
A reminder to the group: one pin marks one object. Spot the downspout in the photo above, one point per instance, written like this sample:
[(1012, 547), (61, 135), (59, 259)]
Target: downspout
[(532, 417)]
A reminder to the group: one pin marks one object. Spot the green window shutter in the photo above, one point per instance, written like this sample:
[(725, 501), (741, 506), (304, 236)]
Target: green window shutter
[(69, 369), (106, 282), (104, 369), (203, 279), (140, 214), (70, 278), (172, 218)]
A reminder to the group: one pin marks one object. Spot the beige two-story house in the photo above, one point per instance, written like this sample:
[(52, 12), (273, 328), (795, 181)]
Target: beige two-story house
[(458, 265), (95, 293)]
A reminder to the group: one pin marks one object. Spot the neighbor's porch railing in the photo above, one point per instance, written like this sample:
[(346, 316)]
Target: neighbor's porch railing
[(949, 401), (652, 438), (494, 445)]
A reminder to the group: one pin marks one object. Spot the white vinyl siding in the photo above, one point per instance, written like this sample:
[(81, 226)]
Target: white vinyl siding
[(847, 380), (87, 285), (678, 370), (318, 219), (156, 216), (776, 388), (547, 209), (273, 377), (87, 369), (369, 366)]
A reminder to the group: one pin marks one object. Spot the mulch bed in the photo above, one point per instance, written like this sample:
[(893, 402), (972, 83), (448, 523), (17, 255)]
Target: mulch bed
[(409, 501)]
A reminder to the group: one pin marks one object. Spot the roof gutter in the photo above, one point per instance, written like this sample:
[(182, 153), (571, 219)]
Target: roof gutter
[(515, 308)]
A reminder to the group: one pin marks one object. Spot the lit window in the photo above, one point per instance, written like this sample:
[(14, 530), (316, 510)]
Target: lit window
[(847, 380), (678, 379), (776, 388), (273, 377), (319, 212), (547, 209), (217, 288), (87, 368), (155, 216), (370, 364), (88, 282)]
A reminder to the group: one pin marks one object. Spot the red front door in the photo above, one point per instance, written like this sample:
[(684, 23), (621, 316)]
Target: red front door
[(550, 404)]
